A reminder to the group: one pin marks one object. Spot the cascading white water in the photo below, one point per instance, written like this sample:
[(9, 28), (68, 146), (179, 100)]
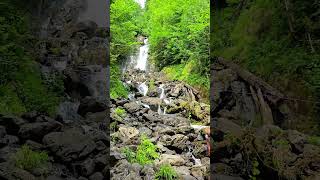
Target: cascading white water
[(143, 56), (162, 91), (142, 3), (143, 88)]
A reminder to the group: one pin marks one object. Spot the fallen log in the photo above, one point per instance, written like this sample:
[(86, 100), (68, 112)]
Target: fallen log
[(272, 94)]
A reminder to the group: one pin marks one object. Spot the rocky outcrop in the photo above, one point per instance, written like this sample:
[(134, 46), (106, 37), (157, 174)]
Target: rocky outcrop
[(74, 153), (241, 97)]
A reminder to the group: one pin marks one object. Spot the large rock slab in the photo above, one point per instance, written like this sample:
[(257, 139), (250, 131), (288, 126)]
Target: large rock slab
[(36, 131), (69, 145), (11, 123)]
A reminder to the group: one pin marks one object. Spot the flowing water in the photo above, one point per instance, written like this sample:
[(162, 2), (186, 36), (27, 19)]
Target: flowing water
[(139, 61)]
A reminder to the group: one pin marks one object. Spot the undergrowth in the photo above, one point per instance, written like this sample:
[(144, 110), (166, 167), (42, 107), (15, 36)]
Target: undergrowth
[(27, 159), (166, 172), (146, 152)]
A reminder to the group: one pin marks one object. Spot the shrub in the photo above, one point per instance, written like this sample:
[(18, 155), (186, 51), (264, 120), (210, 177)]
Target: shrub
[(166, 172), (146, 152), (315, 140), (27, 159), (120, 112), (130, 155)]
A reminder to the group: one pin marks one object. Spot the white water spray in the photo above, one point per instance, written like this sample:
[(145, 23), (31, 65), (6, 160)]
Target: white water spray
[(143, 56), (143, 88)]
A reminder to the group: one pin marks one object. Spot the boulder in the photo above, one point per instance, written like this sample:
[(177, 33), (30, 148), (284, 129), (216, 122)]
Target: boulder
[(37, 130), (11, 123), (132, 107), (92, 104), (174, 160), (96, 176), (69, 145), (126, 133), (85, 168)]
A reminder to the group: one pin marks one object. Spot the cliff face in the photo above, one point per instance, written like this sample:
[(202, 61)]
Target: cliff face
[(75, 138)]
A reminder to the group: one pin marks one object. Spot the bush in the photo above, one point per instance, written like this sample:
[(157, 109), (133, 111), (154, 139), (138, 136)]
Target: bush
[(146, 152), (120, 112), (130, 155), (166, 172), (27, 159)]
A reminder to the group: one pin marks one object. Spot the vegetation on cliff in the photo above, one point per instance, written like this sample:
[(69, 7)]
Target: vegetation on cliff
[(276, 40), (22, 88), (125, 19), (179, 39)]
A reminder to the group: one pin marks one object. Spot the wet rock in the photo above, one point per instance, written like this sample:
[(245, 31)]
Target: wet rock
[(67, 111), (9, 172), (121, 102), (36, 131), (30, 116), (96, 176), (226, 125), (34, 145), (198, 171), (175, 160), (115, 157), (91, 104), (187, 177), (69, 145), (153, 102), (3, 131), (182, 170), (86, 167), (7, 152), (11, 123), (88, 27), (126, 133), (297, 140), (132, 107), (120, 170), (101, 161), (221, 168), (148, 172), (178, 141), (145, 130), (54, 178), (9, 140), (224, 177)]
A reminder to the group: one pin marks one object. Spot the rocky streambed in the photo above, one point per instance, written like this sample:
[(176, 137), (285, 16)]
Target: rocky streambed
[(163, 111)]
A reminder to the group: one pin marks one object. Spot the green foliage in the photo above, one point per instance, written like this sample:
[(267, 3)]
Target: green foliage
[(120, 112), (152, 85), (125, 19), (113, 125), (21, 86), (179, 32), (259, 37), (315, 140), (166, 172), (117, 89), (255, 170), (27, 159), (146, 152), (184, 73), (130, 155)]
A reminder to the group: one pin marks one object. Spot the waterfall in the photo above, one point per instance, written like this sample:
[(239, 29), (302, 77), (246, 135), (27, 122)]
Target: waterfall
[(143, 88), (142, 3), (143, 56)]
